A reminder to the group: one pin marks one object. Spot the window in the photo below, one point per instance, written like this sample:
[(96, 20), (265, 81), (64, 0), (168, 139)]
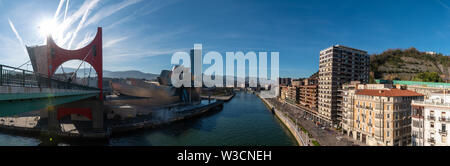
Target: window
[(431, 124), (443, 127)]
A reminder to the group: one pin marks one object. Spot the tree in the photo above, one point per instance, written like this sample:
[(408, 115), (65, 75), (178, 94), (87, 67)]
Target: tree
[(428, 77), (372, 79)]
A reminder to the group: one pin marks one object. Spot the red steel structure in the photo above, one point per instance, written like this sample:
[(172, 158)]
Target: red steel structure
[(47, 58), (86, 112), (92, 54)]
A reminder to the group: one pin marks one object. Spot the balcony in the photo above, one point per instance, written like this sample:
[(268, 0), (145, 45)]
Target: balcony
[(379, 116), (430, 102), (443, 132), (431, 140), (377, 125), (431, 118), (444, 119), (364, 107)]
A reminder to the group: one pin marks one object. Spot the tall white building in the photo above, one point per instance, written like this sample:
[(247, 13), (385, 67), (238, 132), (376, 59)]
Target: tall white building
[(431, 120), (339, 65)]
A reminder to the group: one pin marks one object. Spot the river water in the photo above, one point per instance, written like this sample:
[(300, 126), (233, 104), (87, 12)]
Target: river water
[(243, 121)]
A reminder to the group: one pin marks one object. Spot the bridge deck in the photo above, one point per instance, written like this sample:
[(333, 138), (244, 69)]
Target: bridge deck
[(24, 91)]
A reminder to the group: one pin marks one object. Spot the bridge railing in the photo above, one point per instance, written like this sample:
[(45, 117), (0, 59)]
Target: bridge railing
[(11, 76)]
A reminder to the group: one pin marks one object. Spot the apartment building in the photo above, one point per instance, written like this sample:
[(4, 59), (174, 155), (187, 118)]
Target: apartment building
[(348, 95), (283, 93), (430, 120), (428, 91), (297, 83), (308, 94), (285, 81), (310, 81), (383, 117), (339, 65), (293, 95), (426, 88)]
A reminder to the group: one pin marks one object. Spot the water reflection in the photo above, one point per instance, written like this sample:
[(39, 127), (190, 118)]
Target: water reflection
[(243, 121)]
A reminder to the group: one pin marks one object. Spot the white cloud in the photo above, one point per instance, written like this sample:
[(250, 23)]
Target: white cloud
[(112, 42), (67, 8), (13, 28), (12, 53), (87, 39), (61, 2), (64, 35), (109, 10), (83, 20), (120, 21), (120, 57)]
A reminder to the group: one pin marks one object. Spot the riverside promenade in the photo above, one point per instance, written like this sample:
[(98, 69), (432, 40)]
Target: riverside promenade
[(300, 136), (315, 135)]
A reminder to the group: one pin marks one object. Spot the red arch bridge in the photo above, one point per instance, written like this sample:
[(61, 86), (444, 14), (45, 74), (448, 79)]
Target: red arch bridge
[(24, 91)]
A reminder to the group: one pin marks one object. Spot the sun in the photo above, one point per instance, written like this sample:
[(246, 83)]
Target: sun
[(47, 27)]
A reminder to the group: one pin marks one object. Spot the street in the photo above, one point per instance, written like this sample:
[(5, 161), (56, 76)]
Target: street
[(324, 135)]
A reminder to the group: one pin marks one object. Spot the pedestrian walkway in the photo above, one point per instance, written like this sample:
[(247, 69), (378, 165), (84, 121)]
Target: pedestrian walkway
[(324, 136)]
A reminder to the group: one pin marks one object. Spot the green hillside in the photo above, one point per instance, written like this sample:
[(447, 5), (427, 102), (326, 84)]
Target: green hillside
[(410, 64)]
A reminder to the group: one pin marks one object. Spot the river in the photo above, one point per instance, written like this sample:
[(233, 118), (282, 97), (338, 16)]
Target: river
[(244, 121)]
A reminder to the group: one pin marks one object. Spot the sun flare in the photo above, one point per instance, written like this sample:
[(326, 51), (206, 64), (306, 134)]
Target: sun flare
[(47, 27)]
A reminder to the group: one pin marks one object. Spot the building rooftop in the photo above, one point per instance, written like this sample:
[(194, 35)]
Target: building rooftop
[(388, 93), (345, 47), (416, 83)]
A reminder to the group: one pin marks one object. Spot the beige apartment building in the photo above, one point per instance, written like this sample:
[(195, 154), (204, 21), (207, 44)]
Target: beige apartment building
[(348, 95), (308, 94), (382, 117), (339, 65)]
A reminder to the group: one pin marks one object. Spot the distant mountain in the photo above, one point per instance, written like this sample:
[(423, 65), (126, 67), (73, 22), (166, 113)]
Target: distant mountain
[(111, 74), (129, 74), (410, 64)]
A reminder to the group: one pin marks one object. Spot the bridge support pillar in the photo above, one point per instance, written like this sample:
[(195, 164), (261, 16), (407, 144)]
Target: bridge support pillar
[(89, 108), (52, 117), (97, 116)]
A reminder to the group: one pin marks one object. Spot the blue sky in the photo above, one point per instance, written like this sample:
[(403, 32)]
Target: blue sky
[(143, 34)]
